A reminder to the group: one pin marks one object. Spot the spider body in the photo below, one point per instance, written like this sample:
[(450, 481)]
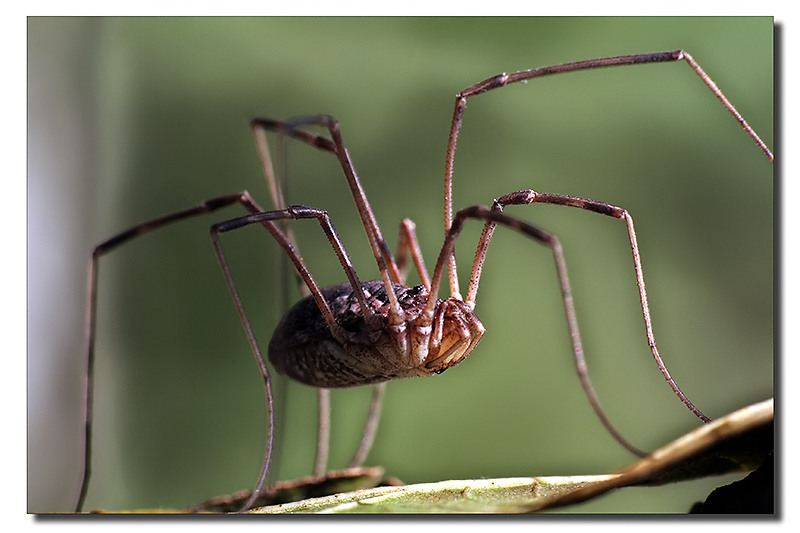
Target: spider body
[(305, 349)]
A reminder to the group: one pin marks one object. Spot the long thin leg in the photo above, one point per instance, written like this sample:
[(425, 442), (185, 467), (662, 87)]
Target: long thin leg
[(302, 212), (549, 240), (298, 212), (371, 426), (501, 80), (530, 197), (100, 250), (380, 250), (409, 245), (276, 185), (335, 145), (267, 219), (323, 431), (207, 207)]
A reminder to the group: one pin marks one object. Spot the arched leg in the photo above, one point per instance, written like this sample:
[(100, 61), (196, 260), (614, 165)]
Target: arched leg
[(276, 184), (335, 144), (502, 80), (294, 128), (549, 240), (209, 206), (271, 217), (407, 245), (530, 197)]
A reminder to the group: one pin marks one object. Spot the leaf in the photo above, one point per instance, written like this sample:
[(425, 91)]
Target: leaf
[(737, 442), (476, 495)]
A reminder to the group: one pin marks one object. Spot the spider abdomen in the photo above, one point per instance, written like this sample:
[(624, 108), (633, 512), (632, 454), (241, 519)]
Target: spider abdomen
[(304, 349)]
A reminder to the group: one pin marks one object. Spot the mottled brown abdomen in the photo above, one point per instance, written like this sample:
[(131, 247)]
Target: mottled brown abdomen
[(303, 348)]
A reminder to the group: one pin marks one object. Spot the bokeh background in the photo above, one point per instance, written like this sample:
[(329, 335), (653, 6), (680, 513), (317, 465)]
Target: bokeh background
[(130, 118)]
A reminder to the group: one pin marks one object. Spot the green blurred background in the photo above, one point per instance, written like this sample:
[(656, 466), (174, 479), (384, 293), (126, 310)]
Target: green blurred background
[(131, 118)]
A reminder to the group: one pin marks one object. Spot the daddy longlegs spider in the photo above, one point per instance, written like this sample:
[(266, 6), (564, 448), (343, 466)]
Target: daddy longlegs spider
[(369, 332)]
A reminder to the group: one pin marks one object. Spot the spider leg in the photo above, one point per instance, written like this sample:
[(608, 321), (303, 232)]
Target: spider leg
[(529, 197), (276, 184), (208, 206), (388, 267), (408, 244), (496, 216), (294, 213), (335, 144), (501, 80)]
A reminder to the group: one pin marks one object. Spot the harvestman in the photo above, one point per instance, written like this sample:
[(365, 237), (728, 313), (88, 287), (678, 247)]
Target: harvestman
[(361, 333)]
